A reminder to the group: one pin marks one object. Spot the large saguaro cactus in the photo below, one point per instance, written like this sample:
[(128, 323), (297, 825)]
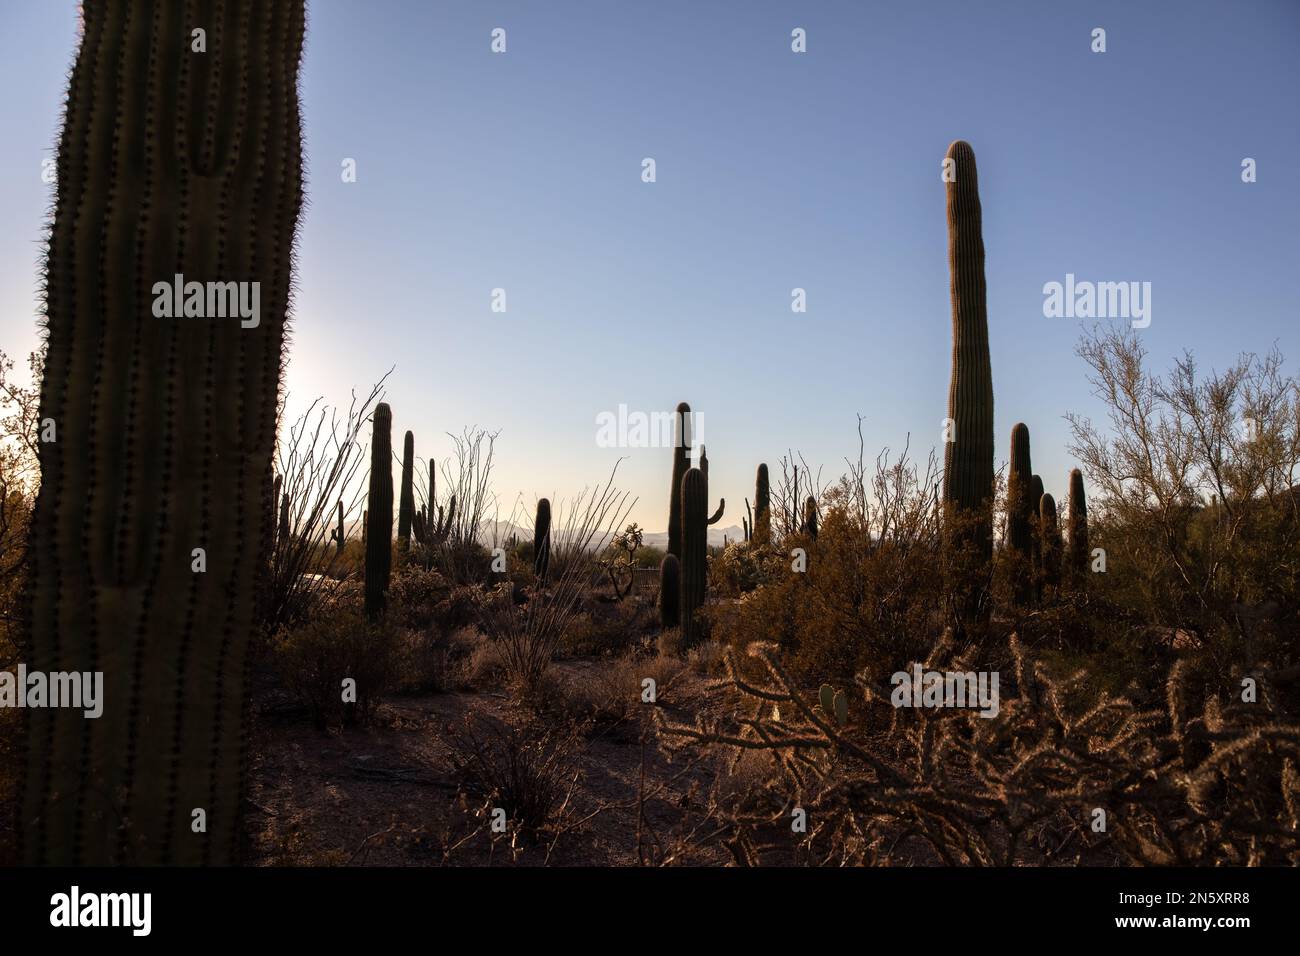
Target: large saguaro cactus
[(174, 166), (761, 528), (1022, 508), (681, 462), (693, 580), (406, 499), (542, 540), (1078, 554), (968, 454), (1050, 533), (379, 520)]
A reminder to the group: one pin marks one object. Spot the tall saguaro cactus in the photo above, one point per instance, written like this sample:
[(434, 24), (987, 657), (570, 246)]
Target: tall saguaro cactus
[(681, 462), (761, 528), (1050, 532), (1021, 510), (968, 454), (406, 501), (1078, 553), (694, 559), (379, 521), (171, 163), (542, 540)]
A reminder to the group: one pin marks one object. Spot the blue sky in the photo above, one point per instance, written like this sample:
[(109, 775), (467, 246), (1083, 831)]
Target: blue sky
[(775, 170)]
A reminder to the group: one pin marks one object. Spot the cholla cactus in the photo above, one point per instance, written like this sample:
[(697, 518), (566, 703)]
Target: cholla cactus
[(1172, 784)]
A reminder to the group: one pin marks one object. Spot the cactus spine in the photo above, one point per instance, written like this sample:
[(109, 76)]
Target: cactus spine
[(170, 163), (542, 540), (694, 557), (379, 529), (670, 591), (1077, 525), (406, 503), (1022, 508), (968, 456)]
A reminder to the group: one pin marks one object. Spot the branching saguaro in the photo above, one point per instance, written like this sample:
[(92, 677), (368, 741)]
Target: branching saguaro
[(949, 786), (178, 170)]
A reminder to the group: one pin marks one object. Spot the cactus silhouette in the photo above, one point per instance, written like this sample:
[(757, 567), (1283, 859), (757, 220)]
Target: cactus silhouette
[(1076, 524), (406, 498), (542, 540), (761, 526), (968, 456), (1022, 508), (722, 502), (170, 164), (379, 528), (1036, 499), (694, 557), (681, 462), (809, 526), (1050, 534), (272, 511), (285, 526), (670, 591), (337, 535)]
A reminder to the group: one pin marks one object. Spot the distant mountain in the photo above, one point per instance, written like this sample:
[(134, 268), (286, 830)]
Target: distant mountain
[(659, 539)]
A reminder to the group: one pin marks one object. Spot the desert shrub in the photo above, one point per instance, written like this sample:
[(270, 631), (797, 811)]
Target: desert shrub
[(529, 771), (705, 658), (482, 665), (315, 657), (610, 691), (319, 457), (741, 567), (608, 628), (530, 631), (862, 603), (1195, 502), (414, 596)]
